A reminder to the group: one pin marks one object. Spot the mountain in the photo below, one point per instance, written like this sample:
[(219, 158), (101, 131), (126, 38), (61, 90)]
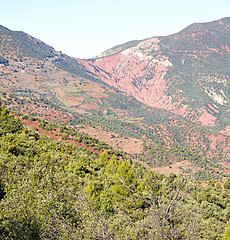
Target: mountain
[(186, 73), (149, 98)]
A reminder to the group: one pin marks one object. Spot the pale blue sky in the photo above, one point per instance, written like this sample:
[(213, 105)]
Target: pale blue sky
[(85, 28)]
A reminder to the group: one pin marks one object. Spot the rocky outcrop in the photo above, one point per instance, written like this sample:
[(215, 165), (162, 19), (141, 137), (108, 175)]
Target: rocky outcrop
[(183, 73), (139, 71)]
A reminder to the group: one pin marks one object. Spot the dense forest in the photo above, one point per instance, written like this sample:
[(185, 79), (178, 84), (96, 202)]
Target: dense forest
[(54, 190)]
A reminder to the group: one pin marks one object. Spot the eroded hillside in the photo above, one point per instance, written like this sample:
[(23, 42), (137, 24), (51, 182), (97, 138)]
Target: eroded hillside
[(186, 73)]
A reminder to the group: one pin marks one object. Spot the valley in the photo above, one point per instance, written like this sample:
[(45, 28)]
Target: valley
[(135, 96), (131, 144)]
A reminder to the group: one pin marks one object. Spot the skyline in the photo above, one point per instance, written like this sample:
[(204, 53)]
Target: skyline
[(85, 29)]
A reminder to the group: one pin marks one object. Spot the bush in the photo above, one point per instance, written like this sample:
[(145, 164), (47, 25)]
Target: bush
[(227, 184)]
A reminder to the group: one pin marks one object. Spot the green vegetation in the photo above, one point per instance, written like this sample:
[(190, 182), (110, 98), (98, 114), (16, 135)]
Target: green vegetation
[(117, 112), (161, 152), (3, 60), (54, 190), (196, 68), (28, 45)]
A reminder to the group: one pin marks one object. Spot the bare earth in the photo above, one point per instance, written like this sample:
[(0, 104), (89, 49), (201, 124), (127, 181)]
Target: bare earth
[(128, 145)]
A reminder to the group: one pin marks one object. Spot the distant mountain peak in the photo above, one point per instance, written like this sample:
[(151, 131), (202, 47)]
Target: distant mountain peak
[(187, 73)]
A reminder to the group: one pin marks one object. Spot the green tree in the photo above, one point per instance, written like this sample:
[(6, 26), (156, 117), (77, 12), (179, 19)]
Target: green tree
[(218, 185), (226, 184), (226, 234)]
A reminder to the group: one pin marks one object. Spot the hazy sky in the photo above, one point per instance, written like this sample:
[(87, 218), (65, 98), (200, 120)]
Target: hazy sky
[(85, 28)]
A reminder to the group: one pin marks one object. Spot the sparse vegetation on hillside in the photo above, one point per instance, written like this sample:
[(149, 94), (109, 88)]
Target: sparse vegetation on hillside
[(50, 85)]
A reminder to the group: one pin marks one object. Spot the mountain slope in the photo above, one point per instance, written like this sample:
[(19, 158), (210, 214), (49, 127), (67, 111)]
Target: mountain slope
[(55, 190), (109, 98), (186, 73)]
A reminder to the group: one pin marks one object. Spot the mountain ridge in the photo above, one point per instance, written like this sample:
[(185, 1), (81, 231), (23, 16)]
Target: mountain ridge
[(134, 42), (160, 54), (112, 95)]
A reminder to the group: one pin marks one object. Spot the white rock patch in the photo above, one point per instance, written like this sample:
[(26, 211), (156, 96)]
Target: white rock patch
[(219, 98)]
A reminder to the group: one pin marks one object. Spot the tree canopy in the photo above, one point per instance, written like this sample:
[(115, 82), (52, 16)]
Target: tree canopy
[(54, 190)]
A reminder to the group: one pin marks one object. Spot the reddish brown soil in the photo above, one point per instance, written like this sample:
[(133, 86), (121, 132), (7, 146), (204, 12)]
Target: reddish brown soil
[(135, 72), (128, 145), (207, 119), (56, 135), (226, 131), (176, 168), (214, 140)]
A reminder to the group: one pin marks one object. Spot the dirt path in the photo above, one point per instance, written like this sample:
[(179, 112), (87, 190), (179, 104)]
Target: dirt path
[(56, 135)]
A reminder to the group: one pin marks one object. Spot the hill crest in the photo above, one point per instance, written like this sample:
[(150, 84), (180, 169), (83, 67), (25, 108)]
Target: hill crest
[(151, 90), (176, 72)]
